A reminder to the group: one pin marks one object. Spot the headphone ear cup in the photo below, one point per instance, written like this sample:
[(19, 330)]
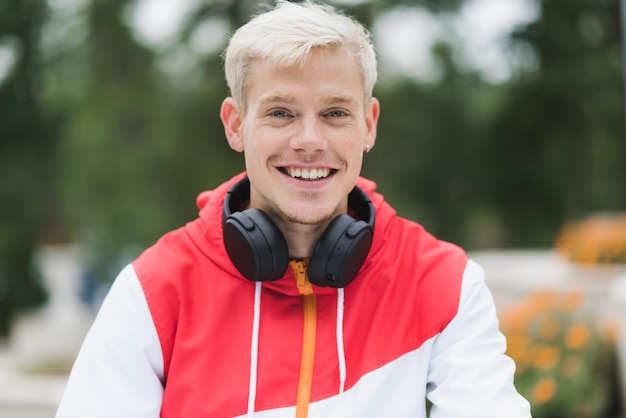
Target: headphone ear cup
[(255, 245), (340, 252)]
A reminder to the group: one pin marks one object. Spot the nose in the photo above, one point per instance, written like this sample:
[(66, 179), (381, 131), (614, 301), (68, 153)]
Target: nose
[(309, 135)]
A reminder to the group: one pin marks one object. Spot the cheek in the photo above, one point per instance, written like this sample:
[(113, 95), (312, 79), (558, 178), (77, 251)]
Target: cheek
[(354, 160), (358, 163), (266, 143), (256, 152)]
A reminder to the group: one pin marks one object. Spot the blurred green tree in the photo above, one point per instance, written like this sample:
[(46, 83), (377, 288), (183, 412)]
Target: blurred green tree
[(27, 151), (427, 158), (113, 172), (556, 147), (139, 143)]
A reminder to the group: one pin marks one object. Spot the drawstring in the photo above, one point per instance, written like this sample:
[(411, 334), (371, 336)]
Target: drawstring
[(254, 348), (340, 349)]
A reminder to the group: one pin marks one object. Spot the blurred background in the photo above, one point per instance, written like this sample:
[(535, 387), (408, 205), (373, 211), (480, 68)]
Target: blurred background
[(502, 130)]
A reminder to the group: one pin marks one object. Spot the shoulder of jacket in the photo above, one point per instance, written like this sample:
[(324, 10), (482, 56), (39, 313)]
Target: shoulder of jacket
[(429, 269)]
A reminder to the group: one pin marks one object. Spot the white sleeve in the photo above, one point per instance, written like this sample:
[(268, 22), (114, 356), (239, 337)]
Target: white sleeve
[(469, 375), (119, 369)]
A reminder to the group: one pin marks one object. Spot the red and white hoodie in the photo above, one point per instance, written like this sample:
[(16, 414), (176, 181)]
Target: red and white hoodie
[(182, 334)]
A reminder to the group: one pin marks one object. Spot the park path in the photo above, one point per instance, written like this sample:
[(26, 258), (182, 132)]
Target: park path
[(36, 358)]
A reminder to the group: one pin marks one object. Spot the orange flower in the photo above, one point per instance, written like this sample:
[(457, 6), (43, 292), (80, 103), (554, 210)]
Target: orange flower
[(546, 357), (543, 300), (611, 331), (521, 365), (516, 319), (544, 390), (548, 328), (577, 336), (597, 239), (517, 343), (573, 300)]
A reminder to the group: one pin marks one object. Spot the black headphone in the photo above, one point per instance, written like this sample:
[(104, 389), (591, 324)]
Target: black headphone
[(258, 249)]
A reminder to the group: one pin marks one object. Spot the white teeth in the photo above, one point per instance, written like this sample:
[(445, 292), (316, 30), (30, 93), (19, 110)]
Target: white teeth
[(308, 174)]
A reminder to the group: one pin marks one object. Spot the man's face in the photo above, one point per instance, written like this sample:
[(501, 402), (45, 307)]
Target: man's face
[(303, 135)]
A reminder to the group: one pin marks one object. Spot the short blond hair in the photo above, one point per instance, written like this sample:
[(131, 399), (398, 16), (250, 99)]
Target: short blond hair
[(288, 34)]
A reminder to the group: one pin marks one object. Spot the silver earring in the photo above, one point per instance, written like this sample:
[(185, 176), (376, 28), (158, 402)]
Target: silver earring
[(367, 149)]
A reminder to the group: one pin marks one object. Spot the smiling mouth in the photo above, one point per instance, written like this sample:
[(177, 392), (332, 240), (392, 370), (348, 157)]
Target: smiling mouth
[(310, 174)]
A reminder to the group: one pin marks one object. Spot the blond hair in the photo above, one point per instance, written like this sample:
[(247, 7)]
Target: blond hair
[(288, 34)]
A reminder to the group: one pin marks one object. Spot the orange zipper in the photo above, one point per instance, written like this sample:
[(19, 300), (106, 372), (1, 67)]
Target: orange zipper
[(308, 344)]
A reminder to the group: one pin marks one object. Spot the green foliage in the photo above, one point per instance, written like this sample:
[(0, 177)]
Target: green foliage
[(557, 139), (428, 153), (27, 151), (111, 168), (485, 165), (137, 150)]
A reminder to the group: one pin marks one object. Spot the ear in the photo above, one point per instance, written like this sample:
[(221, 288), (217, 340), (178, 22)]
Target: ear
[(232, 120), (371, 122)]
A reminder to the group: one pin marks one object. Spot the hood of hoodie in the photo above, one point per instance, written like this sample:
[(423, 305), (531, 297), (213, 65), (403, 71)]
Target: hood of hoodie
[(207, 231)]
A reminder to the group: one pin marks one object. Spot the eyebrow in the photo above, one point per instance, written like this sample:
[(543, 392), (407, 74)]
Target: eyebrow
[(287, 98), (277, 98), (341, 99)]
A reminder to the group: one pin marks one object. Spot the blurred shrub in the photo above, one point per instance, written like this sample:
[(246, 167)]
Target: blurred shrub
[(566, 364), (597, 239)]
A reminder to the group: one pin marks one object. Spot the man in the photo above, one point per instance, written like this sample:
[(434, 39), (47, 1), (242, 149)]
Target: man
[(296, 293)]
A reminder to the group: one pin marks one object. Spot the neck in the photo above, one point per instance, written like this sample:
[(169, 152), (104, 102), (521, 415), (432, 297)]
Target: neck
[(301, 239)]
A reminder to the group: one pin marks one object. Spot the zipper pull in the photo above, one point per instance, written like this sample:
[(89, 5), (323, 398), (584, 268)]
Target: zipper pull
[(302, 279)]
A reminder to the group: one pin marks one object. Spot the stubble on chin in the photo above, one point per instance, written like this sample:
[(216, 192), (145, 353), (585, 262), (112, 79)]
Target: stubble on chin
[(298, 220)]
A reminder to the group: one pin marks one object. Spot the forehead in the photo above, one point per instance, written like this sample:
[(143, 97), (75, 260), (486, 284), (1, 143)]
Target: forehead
[(333, 75)]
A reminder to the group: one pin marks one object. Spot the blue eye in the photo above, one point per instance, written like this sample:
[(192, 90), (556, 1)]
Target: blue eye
[(336, 113), (279, 113)]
